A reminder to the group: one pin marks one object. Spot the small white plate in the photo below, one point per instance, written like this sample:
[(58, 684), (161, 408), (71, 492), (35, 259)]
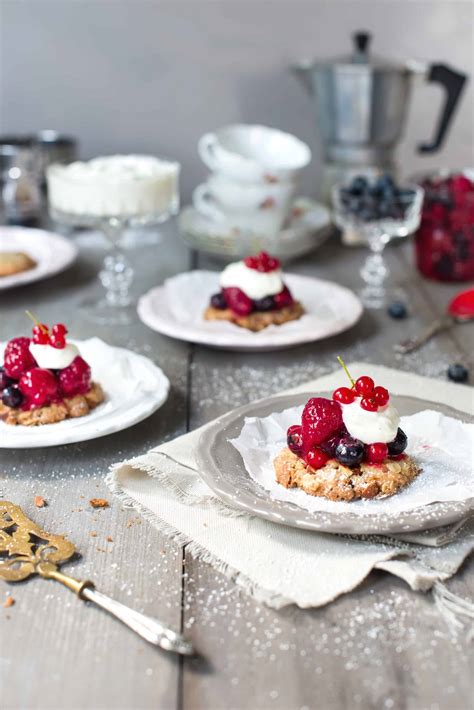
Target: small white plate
[(134, 388), (308, 227), (52, 252), (176, 309)]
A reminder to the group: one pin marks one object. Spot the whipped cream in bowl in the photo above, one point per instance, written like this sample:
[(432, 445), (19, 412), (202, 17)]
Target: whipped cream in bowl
[(255, 284), (371, 427), (54, 358)]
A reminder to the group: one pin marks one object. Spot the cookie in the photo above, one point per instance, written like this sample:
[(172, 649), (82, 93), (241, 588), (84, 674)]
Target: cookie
[(258, 320), (14, 262), (337, 482), (69, 408)]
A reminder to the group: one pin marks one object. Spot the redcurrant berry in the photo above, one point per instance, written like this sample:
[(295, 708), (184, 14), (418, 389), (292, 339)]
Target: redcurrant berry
[(57, 341), (344, 395), (316, 458), (59, 328), (381, 396), (364, 386), (368, 404), (40, 336), (376, 453)]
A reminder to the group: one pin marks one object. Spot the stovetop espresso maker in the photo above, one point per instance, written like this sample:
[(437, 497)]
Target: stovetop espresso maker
[(361, 104)]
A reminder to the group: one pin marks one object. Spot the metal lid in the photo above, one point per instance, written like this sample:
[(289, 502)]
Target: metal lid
[(361, 59)]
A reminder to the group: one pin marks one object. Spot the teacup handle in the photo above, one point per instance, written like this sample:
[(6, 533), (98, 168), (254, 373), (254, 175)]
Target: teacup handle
[(206, 149), (205, 204)]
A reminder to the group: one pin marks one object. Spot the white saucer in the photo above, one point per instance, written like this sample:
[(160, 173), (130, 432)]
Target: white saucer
[(176, 309), (134, 388), (52, 252), (306, 230)]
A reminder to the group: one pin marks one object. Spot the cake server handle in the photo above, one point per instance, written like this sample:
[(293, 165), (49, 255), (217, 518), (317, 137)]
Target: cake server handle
[(148, 628)]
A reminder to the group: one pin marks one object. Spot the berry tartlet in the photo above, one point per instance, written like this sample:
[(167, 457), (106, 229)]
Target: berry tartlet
[(253, 295), (44, 380), (347, 448)]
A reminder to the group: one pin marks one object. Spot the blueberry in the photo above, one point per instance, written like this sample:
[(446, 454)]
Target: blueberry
[(12, 397), (458, 373), (358, 185), (349, 451), (399, 444), (218, 301), (330, 445), (4, 379), (397, 310), (385, 185), (264, 304)]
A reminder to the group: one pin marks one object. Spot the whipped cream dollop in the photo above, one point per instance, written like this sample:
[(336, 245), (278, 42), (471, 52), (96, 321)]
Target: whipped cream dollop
[(255, 284), (54, 358), (371, 427)]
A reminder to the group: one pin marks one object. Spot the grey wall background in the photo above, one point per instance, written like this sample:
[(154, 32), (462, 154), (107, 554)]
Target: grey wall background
[(149, 75)]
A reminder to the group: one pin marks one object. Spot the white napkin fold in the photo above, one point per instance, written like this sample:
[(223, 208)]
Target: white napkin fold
[(276, 564)]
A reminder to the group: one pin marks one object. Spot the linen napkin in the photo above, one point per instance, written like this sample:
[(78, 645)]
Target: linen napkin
[(280, 565)]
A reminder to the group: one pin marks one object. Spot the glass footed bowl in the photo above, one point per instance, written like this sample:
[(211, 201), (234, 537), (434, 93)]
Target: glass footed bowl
[(377, 233), (117, 273)]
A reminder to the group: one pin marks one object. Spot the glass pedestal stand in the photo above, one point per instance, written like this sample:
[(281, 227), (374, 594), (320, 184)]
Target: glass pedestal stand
[(117, 273), (377, 234)]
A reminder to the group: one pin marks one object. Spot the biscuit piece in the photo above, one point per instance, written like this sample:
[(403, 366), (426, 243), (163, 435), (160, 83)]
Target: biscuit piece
[(71, 407), (338, 482), (13, 262), (258, 320)]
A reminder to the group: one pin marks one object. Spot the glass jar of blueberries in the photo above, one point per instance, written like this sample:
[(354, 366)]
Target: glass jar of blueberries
[(444, 242)]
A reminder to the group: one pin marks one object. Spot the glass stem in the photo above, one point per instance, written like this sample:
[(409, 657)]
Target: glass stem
[(375, 271), (117, 274)]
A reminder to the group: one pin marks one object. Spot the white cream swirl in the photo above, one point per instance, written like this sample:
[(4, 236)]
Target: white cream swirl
[(255, 284), (53, 358), (371, 427)]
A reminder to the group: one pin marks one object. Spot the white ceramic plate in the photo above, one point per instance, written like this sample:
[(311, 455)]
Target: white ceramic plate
[(176, 309), (134, 388), (52, 253)]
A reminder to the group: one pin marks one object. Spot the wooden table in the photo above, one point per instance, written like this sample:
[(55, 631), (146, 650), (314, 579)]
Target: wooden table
[(382, 646)]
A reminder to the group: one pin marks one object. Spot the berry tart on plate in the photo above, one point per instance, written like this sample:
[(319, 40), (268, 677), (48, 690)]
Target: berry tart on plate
[(347, 448), (44, 379), (253, 295)]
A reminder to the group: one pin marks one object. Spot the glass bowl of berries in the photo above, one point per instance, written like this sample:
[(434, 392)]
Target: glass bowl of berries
[(444, 242), (379, 210)]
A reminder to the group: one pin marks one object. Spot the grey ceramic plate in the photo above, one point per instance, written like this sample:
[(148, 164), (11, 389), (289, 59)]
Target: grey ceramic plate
[(222, 468)]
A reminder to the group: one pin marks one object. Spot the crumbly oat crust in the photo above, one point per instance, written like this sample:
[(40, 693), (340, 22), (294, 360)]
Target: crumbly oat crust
[(71, 407), (259, 319), (13, 262), (338, 482)]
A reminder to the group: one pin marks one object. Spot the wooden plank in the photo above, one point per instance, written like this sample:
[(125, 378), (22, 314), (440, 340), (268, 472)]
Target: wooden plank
[(381, 646), (56, 651)]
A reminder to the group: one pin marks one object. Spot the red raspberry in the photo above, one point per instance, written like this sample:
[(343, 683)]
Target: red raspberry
[(18, 358), (344, 395), (376, 453), (364, 386), (283, 299), (39, 386), (237, 301), (321, 419), (380, 396), (316, 458), (76, 378)]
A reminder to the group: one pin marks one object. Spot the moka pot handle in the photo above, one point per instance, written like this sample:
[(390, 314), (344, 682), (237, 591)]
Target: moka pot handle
[(453, 83)]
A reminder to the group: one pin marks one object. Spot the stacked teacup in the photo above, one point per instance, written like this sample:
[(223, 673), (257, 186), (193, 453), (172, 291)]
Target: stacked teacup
[(255, 173)]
